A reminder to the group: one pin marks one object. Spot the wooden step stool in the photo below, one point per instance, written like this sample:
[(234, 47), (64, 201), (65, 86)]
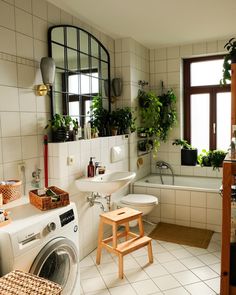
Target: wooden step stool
[(115, 218)]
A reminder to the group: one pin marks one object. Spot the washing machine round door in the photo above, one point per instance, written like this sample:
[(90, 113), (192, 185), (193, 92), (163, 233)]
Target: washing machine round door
[(58, 262)]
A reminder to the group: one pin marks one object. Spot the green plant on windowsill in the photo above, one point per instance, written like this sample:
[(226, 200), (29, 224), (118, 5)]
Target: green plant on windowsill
[(188, 152), (213, 158), (229, 58)]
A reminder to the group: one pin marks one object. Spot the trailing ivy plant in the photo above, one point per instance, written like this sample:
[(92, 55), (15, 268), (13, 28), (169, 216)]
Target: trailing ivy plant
[(158, 115), (229, 57)]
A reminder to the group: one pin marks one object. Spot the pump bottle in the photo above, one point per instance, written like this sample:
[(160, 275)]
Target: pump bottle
[(91, 168)]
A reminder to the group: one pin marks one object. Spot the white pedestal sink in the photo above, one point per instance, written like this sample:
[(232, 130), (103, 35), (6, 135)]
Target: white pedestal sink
[(107, 183)]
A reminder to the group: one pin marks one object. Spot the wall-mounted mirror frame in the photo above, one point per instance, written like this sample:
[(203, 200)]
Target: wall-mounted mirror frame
[(82, 71)]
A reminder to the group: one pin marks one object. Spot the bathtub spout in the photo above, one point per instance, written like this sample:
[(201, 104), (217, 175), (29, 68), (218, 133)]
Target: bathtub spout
[(161, 165)]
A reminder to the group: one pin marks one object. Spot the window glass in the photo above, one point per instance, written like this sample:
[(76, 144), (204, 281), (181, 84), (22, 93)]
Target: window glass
[(200, 121), (206, 72), (223, 133)]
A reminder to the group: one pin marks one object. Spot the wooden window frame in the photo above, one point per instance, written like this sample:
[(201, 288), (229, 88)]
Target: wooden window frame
[(211, 89)]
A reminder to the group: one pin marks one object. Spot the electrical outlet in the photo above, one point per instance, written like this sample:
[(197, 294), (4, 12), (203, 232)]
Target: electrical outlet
[(70, 160), (21, 167)]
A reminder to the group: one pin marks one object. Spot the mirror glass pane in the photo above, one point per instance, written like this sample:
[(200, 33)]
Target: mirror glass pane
[(104, 70), (95, 66), (72, 38), (59, 81), (103, 54), (83, 42), (94, 48), (74, 84), (58, 55), (84, 62), (58, 35), (72, 60)]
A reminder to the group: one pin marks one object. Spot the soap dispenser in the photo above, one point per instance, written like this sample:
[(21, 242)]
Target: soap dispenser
[(91, 168)]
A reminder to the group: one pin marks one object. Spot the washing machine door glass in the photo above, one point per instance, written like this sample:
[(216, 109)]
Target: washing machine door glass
[(58, 262)]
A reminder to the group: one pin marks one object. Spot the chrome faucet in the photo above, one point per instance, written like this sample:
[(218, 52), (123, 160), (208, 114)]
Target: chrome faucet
[(162, 165)]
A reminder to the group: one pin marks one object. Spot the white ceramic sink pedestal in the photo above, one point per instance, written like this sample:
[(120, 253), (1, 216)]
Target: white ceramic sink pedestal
[(107, 183)]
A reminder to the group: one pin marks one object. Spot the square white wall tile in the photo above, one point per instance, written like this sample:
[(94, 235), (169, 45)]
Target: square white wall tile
[(167, 196), (24, 4), (25, 46), (29, 146), (198, 199), (11, 149), (39, 8), (26, 76), (10, 124), (167, 211), (9, 99), (8, 41), (54, 15), (182, 197), (40, 28), (198, 215), (7, 17), (214, 201), (28, 123), (182, 213), (214, 216), (24, 22), (8, 73), (27, 100)]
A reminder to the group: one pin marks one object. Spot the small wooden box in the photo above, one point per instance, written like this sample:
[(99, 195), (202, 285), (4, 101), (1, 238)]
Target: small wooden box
[(45, 202)]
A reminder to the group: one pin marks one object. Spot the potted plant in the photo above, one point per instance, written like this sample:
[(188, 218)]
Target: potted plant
[(122, 121), (100, 117), (217, 158), (204, 159), (60, 127), (229, 58), (188, 153)]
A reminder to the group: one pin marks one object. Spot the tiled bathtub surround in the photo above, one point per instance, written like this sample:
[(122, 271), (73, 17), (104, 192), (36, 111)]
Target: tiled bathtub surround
[(185, 207)]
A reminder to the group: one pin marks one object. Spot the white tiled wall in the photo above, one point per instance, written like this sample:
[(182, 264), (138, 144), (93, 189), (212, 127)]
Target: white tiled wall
[(23, 115), (64, 176), (185, 207)]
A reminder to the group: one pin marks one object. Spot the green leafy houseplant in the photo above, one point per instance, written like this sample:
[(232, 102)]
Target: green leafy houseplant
[(212, 158), (123, 120), (229, 58), (60, 126), (188, 152), (99, 116), (157, 114)]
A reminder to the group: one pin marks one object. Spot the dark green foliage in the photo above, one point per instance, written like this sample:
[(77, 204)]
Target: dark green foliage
[(212, 158), (229, 57), (183, 143)]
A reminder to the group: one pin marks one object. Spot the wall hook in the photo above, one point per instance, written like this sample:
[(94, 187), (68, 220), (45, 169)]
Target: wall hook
[(142, 83)]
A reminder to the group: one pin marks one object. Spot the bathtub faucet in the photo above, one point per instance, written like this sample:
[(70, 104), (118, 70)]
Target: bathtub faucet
[(161, 165)]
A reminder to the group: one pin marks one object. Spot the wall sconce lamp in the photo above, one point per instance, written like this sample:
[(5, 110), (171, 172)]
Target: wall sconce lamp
[(48, 68), (116, 88)]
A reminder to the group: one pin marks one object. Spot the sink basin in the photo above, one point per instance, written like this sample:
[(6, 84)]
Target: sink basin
[(107, 183)]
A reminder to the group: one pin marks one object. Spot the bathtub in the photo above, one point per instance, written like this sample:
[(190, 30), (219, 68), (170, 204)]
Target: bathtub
[(191, 201), (196, 183)]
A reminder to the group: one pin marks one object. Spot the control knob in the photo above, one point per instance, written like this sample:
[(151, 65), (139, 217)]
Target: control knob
[(51, 226)]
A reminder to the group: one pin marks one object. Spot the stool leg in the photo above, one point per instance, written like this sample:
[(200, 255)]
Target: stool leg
[(126, 230), (121, 266), (150, 255), (100, 237), (114, 233), (140, 224)]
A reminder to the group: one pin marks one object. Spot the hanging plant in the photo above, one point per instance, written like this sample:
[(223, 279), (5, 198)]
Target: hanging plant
[(229, 58), (158, 115)]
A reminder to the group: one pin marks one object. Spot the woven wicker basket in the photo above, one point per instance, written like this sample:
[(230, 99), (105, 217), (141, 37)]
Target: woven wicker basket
[(45, 203), (11, 192), (18, 282)]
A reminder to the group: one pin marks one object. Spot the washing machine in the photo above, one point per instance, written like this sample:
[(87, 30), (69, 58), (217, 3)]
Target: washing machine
[(43, 243)]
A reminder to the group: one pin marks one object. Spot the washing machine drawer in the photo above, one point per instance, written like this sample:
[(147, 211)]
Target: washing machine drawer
[(58, 262)]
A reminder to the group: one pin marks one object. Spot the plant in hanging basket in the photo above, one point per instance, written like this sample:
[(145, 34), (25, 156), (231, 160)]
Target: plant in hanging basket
[(229, 58)]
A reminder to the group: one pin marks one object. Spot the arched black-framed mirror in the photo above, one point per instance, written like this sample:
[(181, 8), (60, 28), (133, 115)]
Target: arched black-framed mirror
[(82, 71)]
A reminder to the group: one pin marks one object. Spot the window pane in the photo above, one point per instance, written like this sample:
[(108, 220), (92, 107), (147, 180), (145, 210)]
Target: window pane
[(206, 72), (223, 120), (200, 121), (74, 108), (74, 84)]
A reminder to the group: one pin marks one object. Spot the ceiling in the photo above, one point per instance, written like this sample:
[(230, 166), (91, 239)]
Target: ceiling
[(157, 23)]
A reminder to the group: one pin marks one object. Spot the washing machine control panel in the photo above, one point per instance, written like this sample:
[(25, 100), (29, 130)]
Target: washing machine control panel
[(67, 217)]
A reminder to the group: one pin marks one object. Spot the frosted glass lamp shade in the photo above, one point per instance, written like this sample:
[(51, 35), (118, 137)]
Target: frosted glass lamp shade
[(48, 67)]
